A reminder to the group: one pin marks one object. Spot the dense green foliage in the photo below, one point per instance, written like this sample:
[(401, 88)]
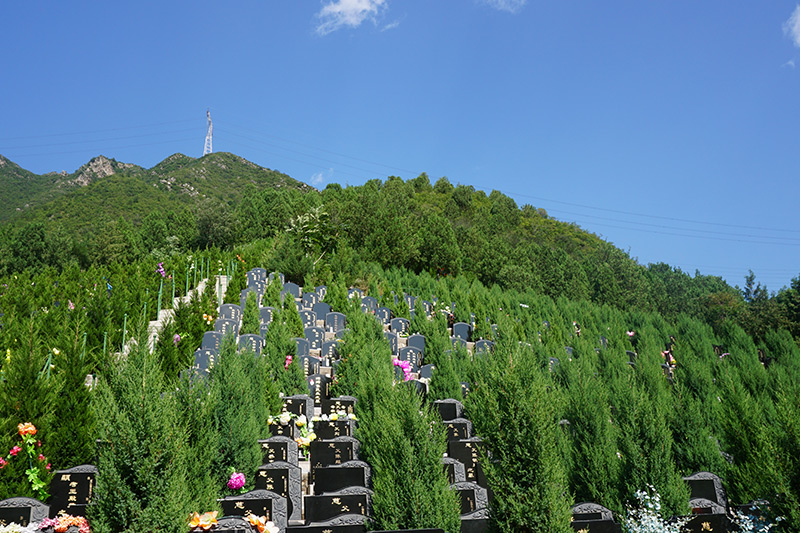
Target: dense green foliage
[(560, 426)]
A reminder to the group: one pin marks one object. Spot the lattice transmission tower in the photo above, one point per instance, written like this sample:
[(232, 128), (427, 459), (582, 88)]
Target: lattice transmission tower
[(207, 149)]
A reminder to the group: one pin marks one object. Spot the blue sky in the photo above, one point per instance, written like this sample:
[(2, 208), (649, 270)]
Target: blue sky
[(667, 128)]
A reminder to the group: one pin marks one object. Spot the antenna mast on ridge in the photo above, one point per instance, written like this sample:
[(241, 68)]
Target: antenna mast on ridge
[(207, 148)]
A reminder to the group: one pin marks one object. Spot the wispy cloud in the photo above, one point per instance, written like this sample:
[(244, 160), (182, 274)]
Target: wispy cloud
[(347, 13), (789, 64), (511, 6), (791, 28), (391, 25), (320, 177)]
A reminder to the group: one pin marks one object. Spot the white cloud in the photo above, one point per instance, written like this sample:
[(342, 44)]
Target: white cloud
[(789, 64), (320, 177), (391, 25), (791, 27), (340, 13), (511, 6)]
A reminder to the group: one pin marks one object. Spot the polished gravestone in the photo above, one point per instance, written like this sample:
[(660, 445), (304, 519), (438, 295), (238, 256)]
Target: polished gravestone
[(340, 403), (473, 496), (265, 315), (230, 312), (449, 409), (336, 451), (454, 470), (259, 503), (251, 342), (22, 511), (309, 364), (392, 339), (458, 429), (318, 387), (226, 327), (417, 341), (463, 331), (468, 451), (212, 340), (337, 477), (71, 490), (352, 500), (302, 346), (278, 448), (315, 337), (284, 479), (330, 429), (412, 355), (593, 518), (384, 315), (335, 321), (204, 359), (330, 350), (399, 325), (293, 289), (309, 318), (299, 404)]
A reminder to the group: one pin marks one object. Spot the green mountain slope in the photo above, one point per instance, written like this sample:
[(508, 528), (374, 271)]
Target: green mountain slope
[(105, 189)]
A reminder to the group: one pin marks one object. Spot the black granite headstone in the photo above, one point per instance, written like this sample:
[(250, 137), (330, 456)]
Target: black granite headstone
[(335, 321), (258, 502), (22, 511), (326, 506), (337, 477), (315, 337), (284, 479), (318, 387), (71, 490), (276, 449), (340, 403), (399, 325)]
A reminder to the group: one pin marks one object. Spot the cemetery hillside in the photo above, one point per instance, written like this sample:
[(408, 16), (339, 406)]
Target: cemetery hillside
[(210, 345)]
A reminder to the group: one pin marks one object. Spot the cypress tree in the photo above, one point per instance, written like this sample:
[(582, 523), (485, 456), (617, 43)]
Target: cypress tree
[(141, 481)]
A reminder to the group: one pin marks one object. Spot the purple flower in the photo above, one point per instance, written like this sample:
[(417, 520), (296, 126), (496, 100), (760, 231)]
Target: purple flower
[(176, 339), (236, 481)]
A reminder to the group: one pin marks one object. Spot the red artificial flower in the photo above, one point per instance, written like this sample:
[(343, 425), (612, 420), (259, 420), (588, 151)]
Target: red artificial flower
[(15, 450)]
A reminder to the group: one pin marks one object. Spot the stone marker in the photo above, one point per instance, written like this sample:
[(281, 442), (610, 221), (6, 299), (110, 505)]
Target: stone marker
[(279, 448), (284, 479), (259, 503), (71, 490)]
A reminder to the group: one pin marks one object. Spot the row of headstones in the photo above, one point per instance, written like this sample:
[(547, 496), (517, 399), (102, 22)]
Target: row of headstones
[(462, 464), (340, 499)]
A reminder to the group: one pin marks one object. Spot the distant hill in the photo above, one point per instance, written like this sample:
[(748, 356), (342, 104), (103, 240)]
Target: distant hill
[(106, 189)]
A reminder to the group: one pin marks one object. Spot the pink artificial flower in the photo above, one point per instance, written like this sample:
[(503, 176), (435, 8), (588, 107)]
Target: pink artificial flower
[(41, 457), (47, 467), (15, 450), (3, 462), (236, 481), (288, 362), (70, 305), (630, 333)]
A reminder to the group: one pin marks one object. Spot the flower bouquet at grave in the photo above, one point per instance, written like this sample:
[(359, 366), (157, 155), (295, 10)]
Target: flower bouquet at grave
[(262, 524), (38, 472), (65, 523), (307, 435), (236, 482), (202, 522)]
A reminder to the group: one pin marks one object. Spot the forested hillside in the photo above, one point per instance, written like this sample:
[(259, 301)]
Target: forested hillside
[(108, 212)]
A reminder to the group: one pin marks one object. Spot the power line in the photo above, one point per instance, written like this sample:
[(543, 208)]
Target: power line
[(126, 128)]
